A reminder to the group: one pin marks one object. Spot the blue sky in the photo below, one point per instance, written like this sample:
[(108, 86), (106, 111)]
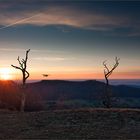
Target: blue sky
[(71, 38)]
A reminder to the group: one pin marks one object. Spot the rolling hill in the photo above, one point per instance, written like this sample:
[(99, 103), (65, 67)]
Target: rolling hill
[(73, 94), (87, 90)]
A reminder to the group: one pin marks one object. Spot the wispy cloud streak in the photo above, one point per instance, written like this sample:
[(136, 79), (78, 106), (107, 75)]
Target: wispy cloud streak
[(52, 58), (47, 13), (22, 21), (61, 15)]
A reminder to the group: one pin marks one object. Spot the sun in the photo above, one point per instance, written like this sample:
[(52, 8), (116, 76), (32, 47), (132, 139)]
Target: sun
[(5, 74)]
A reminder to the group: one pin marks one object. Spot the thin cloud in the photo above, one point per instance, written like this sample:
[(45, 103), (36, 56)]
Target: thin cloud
[(9, 50), (61, 15), (52, 58), (44, 14), (22, 21), (32, 50)]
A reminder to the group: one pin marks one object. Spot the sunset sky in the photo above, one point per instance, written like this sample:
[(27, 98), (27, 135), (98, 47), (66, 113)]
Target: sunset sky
[(70, 39)]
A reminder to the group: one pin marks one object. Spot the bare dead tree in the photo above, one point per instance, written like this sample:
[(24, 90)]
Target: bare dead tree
[(25, 75), (107, 73)]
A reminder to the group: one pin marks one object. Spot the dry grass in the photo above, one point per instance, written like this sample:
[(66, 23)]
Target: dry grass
[(71, 124)]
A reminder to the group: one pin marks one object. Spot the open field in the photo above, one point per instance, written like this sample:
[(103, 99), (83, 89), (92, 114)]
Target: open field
[(71, 124)]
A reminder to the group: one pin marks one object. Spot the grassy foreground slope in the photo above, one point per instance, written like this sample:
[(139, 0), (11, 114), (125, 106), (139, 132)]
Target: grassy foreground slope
[(71, 124)]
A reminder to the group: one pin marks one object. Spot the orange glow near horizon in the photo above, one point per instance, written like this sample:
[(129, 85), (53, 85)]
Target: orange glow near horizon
[(13, 74), (117, 75)]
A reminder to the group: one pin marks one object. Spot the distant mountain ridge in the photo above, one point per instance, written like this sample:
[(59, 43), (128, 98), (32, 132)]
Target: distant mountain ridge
[(88, 90), (57, 89)]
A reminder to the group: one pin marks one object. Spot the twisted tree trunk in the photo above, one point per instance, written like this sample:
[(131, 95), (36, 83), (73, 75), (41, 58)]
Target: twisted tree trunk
[(107, 72), (25, 75)]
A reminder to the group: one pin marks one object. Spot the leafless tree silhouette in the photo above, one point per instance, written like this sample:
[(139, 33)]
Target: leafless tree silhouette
[(25, 75), (107, 73)]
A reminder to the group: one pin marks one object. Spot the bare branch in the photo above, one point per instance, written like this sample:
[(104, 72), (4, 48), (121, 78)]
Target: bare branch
[(22, 66), (23, 61), (105, 67), (27, 54), (16, 67), (107, 73), (26, 58)]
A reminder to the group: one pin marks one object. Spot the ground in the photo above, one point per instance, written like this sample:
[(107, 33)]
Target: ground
[(71, 124)]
